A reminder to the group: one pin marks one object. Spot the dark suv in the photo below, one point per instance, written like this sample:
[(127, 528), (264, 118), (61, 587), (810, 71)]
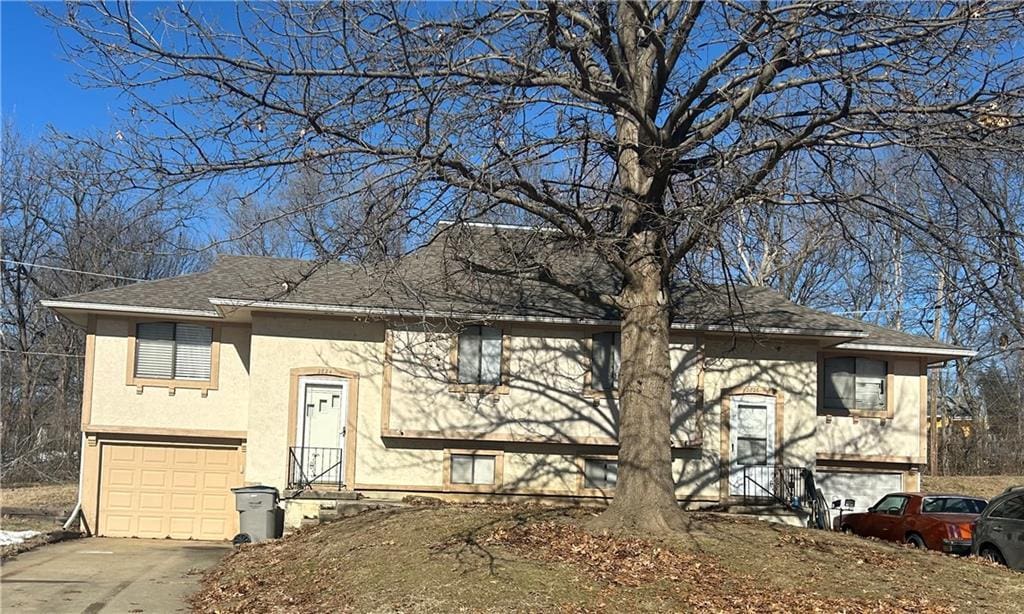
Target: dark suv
[(999, 531)]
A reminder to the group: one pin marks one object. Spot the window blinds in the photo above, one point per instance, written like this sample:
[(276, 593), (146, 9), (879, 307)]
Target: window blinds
[(154, 350), (605, 361), (165, 350), (480, 355)]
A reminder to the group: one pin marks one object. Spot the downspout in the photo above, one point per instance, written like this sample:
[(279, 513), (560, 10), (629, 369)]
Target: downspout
[(77, 511)]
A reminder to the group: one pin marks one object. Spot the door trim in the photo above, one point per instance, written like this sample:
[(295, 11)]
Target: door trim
[(351, 415)]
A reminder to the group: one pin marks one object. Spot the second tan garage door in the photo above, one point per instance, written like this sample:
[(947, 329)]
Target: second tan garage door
[(181, 492)]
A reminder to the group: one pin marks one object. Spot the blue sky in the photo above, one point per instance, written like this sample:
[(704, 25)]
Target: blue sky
[(36, 83)]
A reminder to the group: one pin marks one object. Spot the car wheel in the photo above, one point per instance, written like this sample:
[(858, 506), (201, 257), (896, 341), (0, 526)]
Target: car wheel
[(992, 553), (916, 541)]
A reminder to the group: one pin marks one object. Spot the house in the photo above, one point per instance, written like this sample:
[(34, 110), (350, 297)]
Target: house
[(434, 377)]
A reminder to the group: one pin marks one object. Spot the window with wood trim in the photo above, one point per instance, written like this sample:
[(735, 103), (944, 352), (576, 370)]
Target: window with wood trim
[(854, 383), (605, 360), (600, 473), (476, 469), (479, 355), (173, 351)]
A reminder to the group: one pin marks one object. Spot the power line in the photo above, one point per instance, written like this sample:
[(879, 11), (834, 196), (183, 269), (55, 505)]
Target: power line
[(43, 353), (57, 268)]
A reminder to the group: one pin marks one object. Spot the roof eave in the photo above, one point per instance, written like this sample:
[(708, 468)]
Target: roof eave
[(59, 305), (940, 354), (223, 305)]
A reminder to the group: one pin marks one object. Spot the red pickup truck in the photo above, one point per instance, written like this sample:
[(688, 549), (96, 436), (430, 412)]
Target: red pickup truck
[(936, 521)]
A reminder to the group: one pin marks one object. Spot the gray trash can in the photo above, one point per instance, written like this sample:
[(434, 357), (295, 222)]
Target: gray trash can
[(257, 507)]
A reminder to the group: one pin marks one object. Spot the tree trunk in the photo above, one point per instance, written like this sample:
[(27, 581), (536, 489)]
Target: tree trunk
[(645, 492)]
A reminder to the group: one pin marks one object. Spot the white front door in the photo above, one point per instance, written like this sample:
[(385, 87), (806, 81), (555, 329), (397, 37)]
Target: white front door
[(321, 437), (752, 445)]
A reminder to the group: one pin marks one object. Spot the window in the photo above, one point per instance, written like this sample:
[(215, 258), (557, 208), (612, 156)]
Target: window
[(1012, 509), (854, 383), (605, 359), (952, 505), (168, 350), (472, 469), (600, 474), (891, 504), (479, 359), (751, 451)]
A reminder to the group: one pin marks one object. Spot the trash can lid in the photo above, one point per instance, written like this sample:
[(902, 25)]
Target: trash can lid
[(256, 489)]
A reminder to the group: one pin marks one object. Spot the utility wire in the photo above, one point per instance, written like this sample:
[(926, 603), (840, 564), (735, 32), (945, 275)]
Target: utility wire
[(43, 353), (57, 268)]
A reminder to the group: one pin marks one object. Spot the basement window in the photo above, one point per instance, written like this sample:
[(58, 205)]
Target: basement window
[(169, 350), (477, 469), (600, 474)]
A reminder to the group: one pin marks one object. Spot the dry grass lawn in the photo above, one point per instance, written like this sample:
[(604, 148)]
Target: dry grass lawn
[(40, 495), (986, 486), (530, 559)]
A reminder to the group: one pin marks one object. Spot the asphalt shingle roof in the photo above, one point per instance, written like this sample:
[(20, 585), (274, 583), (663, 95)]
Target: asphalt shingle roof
[(438, 278)]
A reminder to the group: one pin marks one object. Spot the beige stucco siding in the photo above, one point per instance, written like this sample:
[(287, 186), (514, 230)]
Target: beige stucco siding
[(541, 473), (545, 400), (282, 343), (790, 369), (117, 404), (898, 437), (545, 397)]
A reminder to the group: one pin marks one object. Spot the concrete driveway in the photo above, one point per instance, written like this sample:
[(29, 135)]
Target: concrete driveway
[(103, 574)]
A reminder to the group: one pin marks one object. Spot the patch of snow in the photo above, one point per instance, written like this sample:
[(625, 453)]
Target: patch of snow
[(10, 538)]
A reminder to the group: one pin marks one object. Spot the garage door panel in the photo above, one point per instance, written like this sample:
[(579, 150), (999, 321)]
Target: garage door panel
[(154, 455), (212, 526), (151, 501), (168, 491), (122, 453), (118, 524), (216, 502), (153, 477), (121, 477), (215, 480), (185, 457), (185, 479), (865, 488), (219, 458), (117, 499)]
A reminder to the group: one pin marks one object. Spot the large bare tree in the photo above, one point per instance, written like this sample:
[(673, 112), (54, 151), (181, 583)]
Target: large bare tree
[(631, 128)]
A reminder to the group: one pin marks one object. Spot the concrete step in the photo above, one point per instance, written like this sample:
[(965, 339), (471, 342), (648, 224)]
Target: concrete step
[(349, 509), (327, 495)]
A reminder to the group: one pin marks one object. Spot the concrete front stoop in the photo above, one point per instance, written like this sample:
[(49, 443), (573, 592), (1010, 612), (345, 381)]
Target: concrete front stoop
[(312, 508)]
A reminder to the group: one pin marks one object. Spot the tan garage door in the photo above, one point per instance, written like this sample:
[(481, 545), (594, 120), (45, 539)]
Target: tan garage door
[(182, 492)]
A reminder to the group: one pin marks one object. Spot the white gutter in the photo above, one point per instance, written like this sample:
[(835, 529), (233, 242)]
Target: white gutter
[(497, 226), (907, 349), (381, 311), (163, 311)]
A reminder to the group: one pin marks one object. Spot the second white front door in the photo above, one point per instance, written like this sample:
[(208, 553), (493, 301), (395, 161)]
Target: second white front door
[(752, 445)]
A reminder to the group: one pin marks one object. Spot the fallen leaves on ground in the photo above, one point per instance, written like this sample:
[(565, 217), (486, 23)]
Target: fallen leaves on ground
[(699, 581), (501, 558)]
